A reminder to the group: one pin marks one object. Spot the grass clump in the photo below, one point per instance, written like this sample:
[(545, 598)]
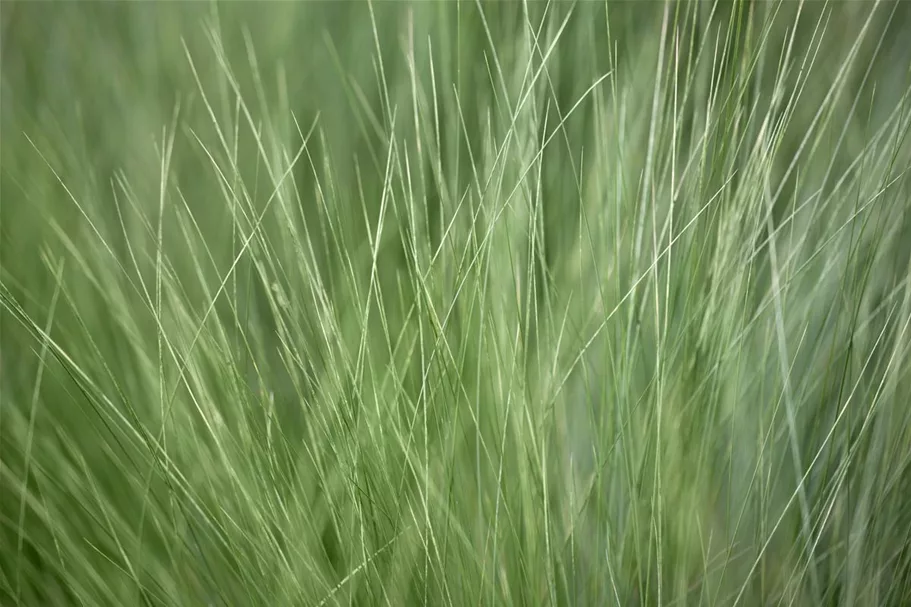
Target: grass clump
[(455, 303)]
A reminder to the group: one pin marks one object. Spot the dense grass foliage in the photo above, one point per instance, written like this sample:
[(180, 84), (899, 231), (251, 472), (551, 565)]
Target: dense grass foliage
[(455, 303)]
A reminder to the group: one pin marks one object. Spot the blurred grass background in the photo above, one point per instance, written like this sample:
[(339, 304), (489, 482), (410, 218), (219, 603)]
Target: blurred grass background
[(454, 303)]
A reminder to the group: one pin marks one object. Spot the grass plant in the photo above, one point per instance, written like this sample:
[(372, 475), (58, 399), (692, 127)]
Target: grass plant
[(455, 303)]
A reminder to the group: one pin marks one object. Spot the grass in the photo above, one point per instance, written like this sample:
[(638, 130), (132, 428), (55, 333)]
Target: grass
[(455, 303)]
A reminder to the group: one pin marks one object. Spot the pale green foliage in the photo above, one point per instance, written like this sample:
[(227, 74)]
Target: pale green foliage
[(455, 303)]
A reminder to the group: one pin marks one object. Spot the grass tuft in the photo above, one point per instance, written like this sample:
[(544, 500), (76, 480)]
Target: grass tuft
[(455, 303)]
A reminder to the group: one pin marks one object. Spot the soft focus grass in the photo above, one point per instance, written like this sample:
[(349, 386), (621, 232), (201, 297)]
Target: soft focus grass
[(455, 303)]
